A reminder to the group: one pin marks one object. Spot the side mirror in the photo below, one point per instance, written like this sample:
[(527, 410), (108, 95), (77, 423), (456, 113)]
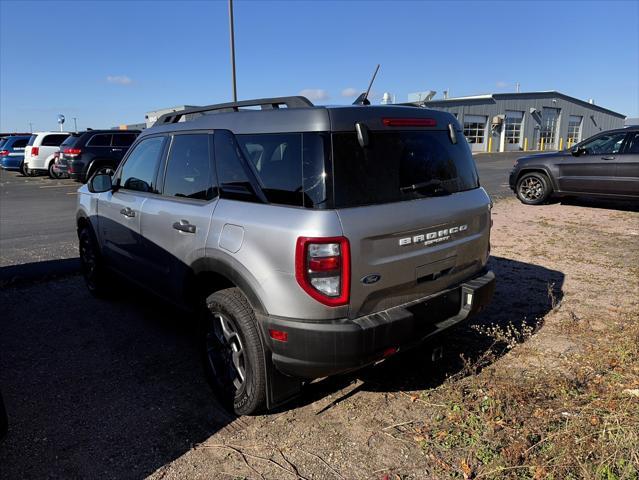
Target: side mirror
[(576, 151), (100, 183)]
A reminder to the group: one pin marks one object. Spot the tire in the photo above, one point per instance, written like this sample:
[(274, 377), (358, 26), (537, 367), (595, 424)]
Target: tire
[(29, 172), (533, 188), (92, 266), (233, 352), (52, 172), (22, 169)]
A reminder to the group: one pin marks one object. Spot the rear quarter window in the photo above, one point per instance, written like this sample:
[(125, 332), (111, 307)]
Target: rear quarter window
[(32, 140), (21, 143), (53, 140)]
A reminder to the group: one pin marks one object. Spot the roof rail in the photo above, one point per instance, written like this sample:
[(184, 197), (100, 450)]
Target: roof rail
[(265, 103)]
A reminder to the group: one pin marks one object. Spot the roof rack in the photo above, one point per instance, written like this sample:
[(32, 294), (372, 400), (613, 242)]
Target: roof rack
[(264, 103)]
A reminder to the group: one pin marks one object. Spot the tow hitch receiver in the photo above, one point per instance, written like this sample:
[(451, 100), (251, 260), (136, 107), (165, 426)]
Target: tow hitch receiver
[(437, 354)]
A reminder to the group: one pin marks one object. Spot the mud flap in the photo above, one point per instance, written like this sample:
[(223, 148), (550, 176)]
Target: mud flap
[(280, 388)]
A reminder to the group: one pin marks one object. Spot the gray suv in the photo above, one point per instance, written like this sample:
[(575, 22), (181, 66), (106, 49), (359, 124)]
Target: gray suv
[(313, 240)]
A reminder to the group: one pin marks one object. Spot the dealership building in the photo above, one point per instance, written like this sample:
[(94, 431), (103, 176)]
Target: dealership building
[(502, 122)]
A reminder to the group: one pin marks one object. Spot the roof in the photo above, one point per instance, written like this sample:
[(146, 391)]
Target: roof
[(509, 96), (299, 116)]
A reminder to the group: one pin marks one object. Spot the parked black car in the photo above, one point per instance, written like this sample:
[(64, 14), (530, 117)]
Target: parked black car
[(605, 165), (85, 153)]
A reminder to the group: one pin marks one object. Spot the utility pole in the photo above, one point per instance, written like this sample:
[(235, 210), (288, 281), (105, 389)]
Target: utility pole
[(30, 127), (75, 124), (232, 33), (517, 87)]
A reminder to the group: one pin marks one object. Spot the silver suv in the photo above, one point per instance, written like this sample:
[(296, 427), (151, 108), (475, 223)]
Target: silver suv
[(316, 240)]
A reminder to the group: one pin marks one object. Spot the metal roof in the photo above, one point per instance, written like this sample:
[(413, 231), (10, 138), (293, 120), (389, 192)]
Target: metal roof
[(522, 95)]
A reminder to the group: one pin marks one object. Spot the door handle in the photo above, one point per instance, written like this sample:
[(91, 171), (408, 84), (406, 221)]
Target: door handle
[(184, 226), (610, 157), (116, 149), (127, 212)]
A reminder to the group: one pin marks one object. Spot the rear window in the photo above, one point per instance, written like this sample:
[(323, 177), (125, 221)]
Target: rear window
[(20, 143), (32, 140), (69, 141), (399, 166), (53, 140)]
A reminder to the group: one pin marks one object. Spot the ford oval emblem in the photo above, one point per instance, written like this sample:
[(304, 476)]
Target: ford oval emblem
[(370, 279)]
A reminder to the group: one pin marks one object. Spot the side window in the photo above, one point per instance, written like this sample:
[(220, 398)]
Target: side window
[(140, 169), (53, 140), (277, 161), (124, 139), (233, 178), (188, 173), (633, 143), (100, 140), (20, 143), (604, 144)]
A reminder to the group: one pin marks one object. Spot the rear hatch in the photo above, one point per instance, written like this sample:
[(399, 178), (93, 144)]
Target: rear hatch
[(67, 150), (408, 196)]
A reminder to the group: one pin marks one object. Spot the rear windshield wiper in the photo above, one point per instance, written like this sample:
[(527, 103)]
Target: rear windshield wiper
[(436, 187)]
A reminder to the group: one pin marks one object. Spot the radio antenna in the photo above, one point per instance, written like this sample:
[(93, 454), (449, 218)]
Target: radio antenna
[(363, 98)]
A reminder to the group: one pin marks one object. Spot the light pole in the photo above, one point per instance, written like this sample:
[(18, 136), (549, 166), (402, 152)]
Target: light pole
[(232, 33), (75, 124), (30, 127)]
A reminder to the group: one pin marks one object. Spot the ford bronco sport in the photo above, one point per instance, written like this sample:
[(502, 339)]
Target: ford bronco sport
[(319, 239)]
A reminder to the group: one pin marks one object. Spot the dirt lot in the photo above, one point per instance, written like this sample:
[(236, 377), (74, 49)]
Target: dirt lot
[(543, 384)]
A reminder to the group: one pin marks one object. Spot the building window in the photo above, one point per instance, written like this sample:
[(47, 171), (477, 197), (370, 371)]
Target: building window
[(574, 130), (475, 128), (549, 122), (514, 120)]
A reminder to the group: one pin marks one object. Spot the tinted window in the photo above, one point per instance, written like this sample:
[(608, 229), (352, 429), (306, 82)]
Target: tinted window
[(277, 162), (70, 140), (53, 140), (3, 140), (232, 175), (188, 173), (610, 143), (32, 140), (124, 139), (101, 140), (139, 171), (21, 143), (633, 143), (399, 166)]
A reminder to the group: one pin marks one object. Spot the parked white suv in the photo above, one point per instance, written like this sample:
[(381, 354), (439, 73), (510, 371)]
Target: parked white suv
[(40, 151)]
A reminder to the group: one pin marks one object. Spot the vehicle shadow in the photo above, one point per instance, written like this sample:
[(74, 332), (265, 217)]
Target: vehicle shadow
[(99, 388), (591, 202), (14, 275), (524, 294)]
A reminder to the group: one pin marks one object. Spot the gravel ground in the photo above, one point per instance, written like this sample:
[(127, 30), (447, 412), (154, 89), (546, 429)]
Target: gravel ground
[(114, 389)]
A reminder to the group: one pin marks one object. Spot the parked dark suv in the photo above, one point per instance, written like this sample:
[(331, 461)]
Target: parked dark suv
[(84, 153), (605, 165)]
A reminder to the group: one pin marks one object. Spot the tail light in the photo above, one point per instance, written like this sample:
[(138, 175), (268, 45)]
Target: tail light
[(323, 269), (35, 151), (4, 153), (409, 122), (72, 152)]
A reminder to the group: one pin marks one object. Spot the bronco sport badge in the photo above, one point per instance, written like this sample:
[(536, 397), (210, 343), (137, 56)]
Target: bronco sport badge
[(436, 236)]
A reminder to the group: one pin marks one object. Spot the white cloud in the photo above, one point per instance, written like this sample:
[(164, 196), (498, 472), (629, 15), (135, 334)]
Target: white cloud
[(350, 92), (501, 84), (119, 79), (315, 94)]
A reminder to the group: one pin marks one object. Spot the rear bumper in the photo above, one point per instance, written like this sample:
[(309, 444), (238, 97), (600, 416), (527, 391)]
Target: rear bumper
[(11, 163), (319, 349)]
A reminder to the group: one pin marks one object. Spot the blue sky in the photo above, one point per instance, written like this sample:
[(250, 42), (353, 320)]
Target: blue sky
[(108, 62)]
